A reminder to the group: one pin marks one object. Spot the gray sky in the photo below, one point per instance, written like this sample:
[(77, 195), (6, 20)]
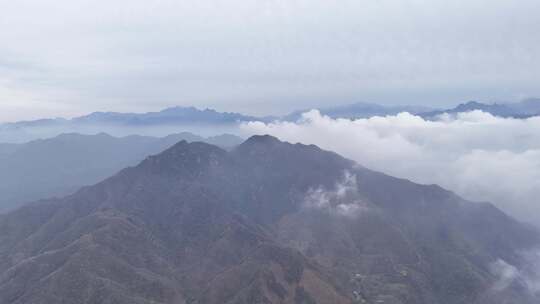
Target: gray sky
[(68, 57)]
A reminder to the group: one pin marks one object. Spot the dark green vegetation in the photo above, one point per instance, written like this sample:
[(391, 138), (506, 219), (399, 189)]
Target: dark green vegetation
[(264, 223)]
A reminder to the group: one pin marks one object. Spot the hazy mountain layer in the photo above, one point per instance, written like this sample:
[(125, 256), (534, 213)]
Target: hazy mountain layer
[(523, 109), (208, 121), (162, 123), (61, 165)]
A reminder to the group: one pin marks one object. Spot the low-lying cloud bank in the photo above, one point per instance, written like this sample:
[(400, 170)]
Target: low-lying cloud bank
[(477, 155)]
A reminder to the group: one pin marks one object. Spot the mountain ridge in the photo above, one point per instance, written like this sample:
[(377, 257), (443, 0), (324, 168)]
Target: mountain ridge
[(523, 109), (197, 120), (58, 166), (268, 222)]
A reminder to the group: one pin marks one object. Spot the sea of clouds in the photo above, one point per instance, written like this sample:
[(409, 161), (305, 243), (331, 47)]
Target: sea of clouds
[(477, 155)]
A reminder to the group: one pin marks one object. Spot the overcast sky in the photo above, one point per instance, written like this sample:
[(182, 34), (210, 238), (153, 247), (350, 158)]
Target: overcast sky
[(68, 57)]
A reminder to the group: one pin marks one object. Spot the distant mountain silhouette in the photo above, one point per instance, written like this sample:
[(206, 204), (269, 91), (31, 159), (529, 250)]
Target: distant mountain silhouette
[(61, 165), (121, 124), (175, 115), (268, 222), (171, 120), (524, 109)]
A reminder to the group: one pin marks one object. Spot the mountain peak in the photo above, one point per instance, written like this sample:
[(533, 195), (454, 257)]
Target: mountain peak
[(471, 105), (263, 139), (261, 144), (179, 109), (184, 148), (184, 158)]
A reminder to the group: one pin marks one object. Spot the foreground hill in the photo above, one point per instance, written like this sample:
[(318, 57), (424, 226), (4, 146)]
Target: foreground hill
[(268, 222), (61, 165)]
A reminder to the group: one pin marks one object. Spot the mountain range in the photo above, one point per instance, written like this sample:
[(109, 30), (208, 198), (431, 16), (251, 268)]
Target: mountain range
[(59, 166), (266, 222), (175, 119), (160, 124), (172, 116), (523, 109)]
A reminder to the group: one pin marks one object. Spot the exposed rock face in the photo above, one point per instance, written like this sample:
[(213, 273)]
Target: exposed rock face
[(268, 222)]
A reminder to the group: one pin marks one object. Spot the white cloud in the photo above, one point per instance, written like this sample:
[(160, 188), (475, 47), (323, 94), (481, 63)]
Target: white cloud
[(481, 157), (508, 274), (342, 200)]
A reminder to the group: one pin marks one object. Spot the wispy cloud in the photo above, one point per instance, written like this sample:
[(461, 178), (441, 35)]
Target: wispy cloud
[(342, 200), (508, 274)]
